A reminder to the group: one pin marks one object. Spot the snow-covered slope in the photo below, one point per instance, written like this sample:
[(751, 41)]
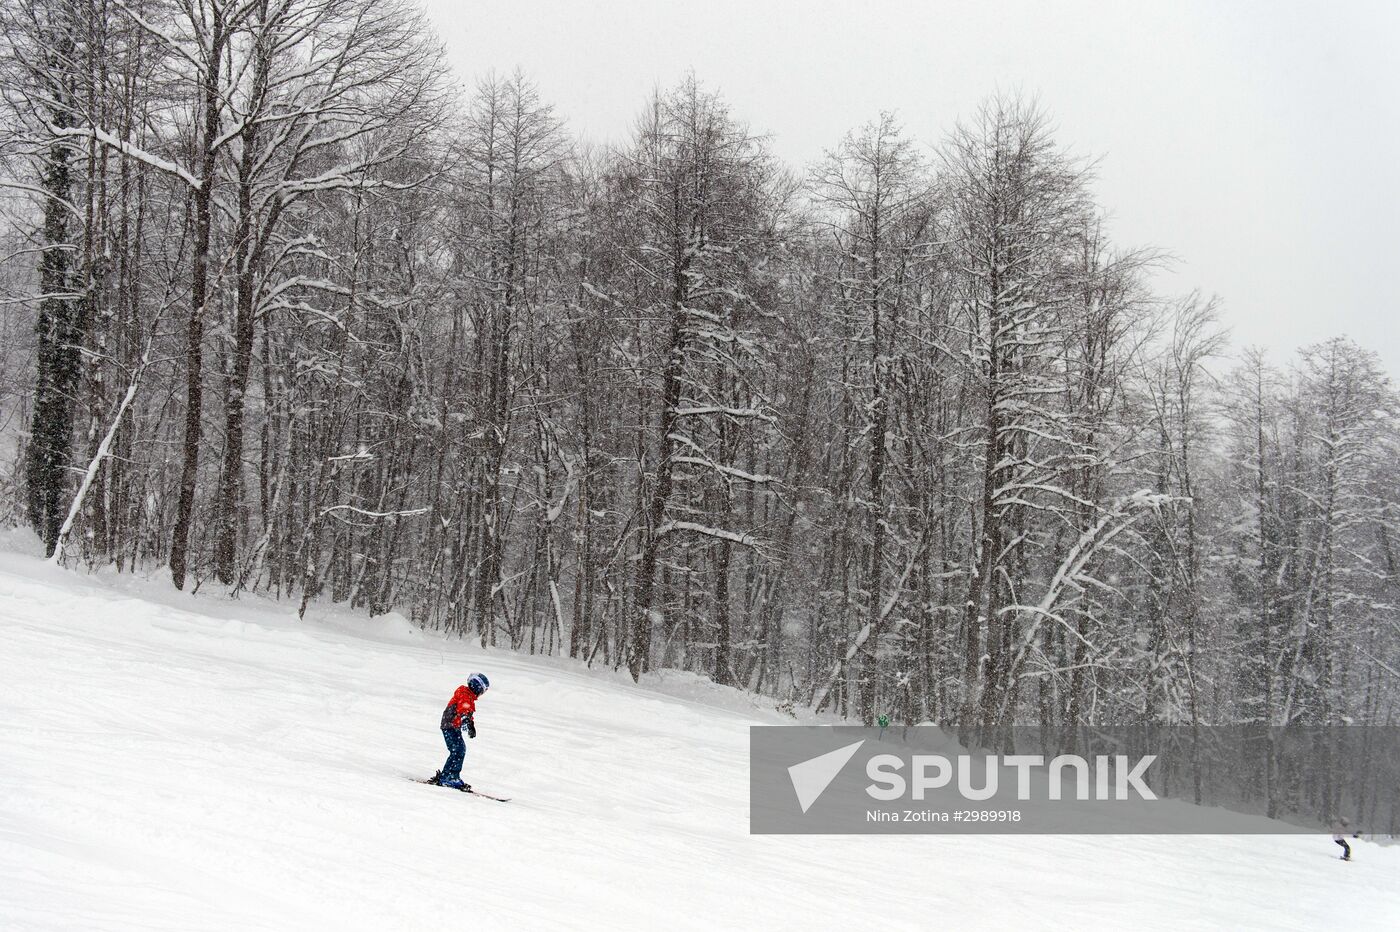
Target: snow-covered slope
[(172, 762)]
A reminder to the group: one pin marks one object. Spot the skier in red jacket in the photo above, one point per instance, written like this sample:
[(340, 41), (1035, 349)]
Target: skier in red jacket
[(458, 715)]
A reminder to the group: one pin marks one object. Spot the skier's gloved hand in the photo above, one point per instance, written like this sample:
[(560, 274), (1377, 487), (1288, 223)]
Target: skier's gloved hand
[(470, 726)]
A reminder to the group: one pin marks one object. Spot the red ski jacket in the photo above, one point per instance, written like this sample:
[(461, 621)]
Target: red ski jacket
[(460, 709)]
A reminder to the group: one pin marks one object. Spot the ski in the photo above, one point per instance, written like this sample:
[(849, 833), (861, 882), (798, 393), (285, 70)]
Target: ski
[(473, 792)]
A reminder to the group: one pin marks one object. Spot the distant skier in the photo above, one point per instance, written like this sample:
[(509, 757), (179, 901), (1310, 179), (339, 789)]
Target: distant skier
[(1340, 830), (455, 717)]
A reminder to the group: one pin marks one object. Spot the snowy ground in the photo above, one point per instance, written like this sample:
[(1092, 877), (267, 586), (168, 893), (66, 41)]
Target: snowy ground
[(171, 762)]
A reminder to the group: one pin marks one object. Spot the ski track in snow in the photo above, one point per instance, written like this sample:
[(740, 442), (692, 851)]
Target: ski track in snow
[(178, 762)]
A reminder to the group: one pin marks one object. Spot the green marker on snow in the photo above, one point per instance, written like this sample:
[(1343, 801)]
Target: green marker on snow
[(884, 722)]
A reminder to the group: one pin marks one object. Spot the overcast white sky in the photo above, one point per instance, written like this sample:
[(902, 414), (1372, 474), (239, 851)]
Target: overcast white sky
[(1258, 142)]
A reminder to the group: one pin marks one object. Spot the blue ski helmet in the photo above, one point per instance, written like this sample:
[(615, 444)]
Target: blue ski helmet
[(478, 683)]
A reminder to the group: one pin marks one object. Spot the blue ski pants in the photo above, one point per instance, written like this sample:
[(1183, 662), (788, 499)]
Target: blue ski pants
[(456, 753)]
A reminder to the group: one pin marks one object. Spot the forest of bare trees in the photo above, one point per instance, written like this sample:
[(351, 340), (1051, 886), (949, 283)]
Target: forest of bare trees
[(287, 312)]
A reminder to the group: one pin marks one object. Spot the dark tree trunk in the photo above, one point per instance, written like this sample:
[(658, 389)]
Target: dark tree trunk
[(199, 296), (58, 358)]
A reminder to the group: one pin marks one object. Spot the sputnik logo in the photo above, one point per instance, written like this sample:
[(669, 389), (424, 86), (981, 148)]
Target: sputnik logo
[(811, 777)]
